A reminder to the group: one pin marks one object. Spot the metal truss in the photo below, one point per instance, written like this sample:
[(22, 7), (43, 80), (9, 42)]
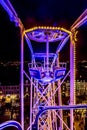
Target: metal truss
[(43, 91)]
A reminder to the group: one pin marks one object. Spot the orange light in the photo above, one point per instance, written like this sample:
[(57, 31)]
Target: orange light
[(47, 27)]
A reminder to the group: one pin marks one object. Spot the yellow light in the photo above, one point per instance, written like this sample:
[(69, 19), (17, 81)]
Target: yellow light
[(39, 27), (56, 28), (75, 36), (42, 27), (63, 29), (50, 27), (47, 27), (53, 28)]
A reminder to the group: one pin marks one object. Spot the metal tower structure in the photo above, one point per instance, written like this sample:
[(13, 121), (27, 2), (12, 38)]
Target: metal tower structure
[(46, 73), (47, 76)]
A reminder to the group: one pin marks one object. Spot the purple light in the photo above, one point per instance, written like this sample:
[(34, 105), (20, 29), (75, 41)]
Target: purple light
[(9, 124), (40, 34), (22, 81), (47, 77)]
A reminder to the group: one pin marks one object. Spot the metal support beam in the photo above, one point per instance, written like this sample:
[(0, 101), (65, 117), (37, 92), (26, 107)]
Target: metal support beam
[(72, 79), (59, 48), (9, 124), (11, 12), (62, 44), (47, 54), (9, 8), (29, 44), (22, 80), (65, 107), (80, 21)]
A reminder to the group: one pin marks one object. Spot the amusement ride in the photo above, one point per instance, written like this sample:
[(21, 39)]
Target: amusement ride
[(46, 73)]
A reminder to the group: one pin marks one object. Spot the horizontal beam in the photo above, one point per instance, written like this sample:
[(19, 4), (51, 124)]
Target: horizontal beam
[(44, 54), (64, 107)]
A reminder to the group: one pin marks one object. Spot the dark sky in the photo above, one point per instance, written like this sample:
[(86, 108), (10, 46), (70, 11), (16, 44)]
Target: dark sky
[(61, 13), (39, 12)]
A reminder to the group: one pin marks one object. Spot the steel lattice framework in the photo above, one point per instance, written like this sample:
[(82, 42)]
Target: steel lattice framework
[(45, 74)]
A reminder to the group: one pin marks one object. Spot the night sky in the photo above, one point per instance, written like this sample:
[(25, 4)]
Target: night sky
[(33, 13), (54, 12), (40, 12)]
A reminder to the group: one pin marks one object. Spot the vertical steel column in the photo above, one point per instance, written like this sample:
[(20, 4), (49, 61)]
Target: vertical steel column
[(31, 104), (59, 97), (54, 104), (22, 79), (47, 53), (72, 79), (49, 112)]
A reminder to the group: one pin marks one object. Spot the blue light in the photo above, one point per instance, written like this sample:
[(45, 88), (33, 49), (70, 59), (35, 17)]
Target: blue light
[(9, 124), (45, 78)]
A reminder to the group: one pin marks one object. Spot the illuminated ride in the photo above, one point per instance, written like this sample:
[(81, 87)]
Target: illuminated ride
[(11, 123), (46, 74)]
